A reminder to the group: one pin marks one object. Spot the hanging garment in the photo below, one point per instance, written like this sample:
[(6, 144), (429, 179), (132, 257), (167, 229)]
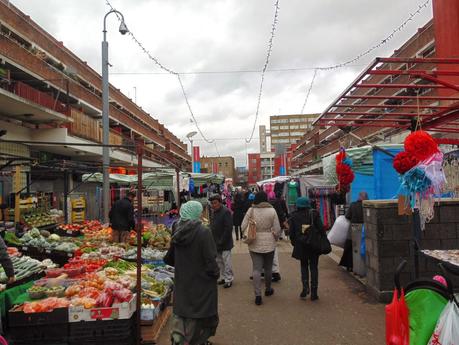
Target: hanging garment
[(292, 192)]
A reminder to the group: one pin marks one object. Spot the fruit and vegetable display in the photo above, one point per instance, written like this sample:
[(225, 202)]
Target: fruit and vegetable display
[(38, 220), (24, 267), (147, 254), (98, 274), (34, 238)]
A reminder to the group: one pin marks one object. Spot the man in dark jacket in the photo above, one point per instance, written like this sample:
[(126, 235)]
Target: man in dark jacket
[(303, 220), (193, 254), (221, 224), (6, 263), (122, 218)]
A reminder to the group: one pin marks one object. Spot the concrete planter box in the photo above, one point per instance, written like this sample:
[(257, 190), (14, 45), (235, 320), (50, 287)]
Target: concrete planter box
[(388, 242)]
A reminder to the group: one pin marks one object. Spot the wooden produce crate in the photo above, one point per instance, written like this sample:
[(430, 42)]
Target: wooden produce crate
[(150, 333)]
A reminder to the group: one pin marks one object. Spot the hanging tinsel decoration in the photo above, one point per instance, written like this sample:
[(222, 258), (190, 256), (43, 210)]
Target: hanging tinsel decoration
[(344, 171), (404, 161), (421, 145)]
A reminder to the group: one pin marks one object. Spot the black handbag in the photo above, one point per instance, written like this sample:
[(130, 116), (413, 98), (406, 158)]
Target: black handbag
[(317, 239)]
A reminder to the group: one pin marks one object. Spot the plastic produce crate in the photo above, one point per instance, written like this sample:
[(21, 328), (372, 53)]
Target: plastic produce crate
[(38, 328), (113, 332)]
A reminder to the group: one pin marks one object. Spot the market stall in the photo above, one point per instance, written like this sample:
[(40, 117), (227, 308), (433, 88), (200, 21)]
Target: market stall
[(90, 295)]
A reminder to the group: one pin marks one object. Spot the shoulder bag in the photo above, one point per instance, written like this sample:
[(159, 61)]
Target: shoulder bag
[(251, 229), (318, 241)]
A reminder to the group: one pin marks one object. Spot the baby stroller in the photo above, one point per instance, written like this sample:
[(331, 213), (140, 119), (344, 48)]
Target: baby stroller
[(425, 300)]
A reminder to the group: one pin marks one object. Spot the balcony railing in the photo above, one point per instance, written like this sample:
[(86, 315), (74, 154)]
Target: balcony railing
[(41, 98)]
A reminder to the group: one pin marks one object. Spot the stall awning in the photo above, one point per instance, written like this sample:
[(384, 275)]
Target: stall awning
[(156, 180), (399, 93)]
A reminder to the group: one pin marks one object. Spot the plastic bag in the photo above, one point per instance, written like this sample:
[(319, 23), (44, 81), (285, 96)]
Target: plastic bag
[(447, 329), (338, 233), (425, 308), (105, 300), (397, 329)]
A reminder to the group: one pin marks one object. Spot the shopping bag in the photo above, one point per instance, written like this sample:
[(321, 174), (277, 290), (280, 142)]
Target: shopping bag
[(3, 341), (251, 229), (447, 329), (397, 329), (338, 233)]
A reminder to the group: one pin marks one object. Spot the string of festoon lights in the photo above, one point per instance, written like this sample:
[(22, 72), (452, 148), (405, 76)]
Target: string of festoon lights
[(263, 71)]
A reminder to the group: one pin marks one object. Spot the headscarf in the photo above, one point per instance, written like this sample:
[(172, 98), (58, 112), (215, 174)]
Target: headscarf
[(260, 197), (191, 210)]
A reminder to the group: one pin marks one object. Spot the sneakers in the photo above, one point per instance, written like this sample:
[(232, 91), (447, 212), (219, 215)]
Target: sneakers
[(221, 282), (276, 277), (269, 292), (304, 293), (258, 300), (228, 285)]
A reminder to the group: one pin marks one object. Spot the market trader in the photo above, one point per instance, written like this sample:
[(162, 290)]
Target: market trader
[(122, 218), (6, 263), (221, 224)]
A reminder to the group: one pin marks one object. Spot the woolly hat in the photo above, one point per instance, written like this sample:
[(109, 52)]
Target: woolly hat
[(191, 210), (303, 202)]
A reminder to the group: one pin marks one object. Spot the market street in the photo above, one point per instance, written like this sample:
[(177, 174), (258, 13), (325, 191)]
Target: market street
[(344, 315)]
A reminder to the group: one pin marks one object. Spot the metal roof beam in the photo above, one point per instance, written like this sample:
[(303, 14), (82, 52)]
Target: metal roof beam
[(421, 98), (343, 113), (401, 86), (395, 106)]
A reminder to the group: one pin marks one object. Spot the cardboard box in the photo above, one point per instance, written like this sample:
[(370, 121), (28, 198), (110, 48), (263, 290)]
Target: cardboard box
[(118, 311)]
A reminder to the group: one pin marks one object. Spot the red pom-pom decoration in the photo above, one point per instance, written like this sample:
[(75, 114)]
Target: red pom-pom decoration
[(421, 145), (344, 173), (404, 161)]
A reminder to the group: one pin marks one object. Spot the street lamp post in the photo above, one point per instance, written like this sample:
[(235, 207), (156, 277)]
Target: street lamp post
[(105, 116), (190, 138)]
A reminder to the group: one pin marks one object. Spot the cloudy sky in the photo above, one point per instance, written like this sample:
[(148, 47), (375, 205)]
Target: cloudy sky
[(228, 35)]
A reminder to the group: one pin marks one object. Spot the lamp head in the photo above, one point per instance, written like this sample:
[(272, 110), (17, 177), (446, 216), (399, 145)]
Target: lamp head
[(191, 134), (123, 28)]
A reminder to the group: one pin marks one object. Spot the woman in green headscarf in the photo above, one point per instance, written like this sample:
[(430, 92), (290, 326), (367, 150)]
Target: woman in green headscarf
[(193, 254)]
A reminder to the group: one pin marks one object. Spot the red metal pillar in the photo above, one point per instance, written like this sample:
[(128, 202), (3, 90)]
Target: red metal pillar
[(139, 240), (446, 23)]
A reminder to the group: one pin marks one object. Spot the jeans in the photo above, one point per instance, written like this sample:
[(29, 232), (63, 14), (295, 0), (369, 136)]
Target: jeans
[(226, 268), (262, 261), (310, 263)]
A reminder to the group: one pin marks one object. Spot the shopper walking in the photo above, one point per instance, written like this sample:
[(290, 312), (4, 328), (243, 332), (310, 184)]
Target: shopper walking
[(302, 222), (221, 224), (238, 214), (193, 254), (262, 247), (355, 215), (122, 218)]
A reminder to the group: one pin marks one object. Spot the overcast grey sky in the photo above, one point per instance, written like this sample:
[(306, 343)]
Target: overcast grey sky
[(225, 35)]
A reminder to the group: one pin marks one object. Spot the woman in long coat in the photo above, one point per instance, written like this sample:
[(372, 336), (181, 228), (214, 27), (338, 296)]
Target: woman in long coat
[(239, 209), (304, 219)]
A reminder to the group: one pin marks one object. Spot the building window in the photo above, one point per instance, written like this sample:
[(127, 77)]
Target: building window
[(283, 127), (304, 126), (254, 161), (274, 128), (294, 127)]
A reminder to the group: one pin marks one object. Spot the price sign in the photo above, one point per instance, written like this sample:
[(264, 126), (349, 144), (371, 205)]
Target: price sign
[(48, 251), (70, 232), (69, 255), (25, 248)]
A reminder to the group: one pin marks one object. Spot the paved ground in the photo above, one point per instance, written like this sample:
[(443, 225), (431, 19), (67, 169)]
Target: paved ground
[(344, 315)]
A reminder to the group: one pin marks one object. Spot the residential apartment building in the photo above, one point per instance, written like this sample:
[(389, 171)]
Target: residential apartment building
[(242, 176), (286, 130), (254, 169), (219, 165), (48, 94)]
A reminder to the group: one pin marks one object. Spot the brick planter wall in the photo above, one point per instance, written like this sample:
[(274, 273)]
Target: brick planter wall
[(388, 242)]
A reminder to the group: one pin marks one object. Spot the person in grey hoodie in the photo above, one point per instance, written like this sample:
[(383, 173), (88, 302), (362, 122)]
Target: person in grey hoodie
[(193, 254), (262, 248)]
